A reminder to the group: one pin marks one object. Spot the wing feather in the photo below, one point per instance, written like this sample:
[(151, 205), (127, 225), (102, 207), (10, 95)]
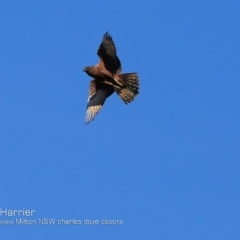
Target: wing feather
[(108, 54), (98, 93)]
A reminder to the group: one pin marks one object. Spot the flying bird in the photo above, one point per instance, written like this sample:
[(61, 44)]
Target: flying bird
[(107, 79)]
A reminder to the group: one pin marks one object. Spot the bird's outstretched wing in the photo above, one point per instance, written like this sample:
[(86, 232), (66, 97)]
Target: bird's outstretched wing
[(108, 55), (98, 92)]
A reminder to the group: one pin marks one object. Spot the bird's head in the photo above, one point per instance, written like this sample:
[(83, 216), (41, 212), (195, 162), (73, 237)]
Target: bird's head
[(89, 71)]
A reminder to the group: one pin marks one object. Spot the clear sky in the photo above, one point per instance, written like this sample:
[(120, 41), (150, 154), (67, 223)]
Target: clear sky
[(167, 165)]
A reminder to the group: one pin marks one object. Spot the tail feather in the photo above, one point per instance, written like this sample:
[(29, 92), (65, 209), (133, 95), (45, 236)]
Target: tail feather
[(130, 89)]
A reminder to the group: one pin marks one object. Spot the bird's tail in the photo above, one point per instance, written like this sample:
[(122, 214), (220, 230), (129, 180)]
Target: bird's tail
[(130, 89)]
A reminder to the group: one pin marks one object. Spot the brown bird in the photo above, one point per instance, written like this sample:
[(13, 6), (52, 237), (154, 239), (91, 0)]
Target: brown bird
[(108, 79)]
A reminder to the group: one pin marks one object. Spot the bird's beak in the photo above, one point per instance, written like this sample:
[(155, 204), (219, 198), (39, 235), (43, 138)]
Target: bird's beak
[(84, 69)]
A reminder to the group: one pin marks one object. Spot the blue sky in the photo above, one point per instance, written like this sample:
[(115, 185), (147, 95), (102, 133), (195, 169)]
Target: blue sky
[(166, 164)]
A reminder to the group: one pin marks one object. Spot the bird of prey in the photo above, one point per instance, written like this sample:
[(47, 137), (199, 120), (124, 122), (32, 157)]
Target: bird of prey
[(107, 79)]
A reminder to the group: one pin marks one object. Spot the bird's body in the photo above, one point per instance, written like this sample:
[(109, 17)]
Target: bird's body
[(108, 78)]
